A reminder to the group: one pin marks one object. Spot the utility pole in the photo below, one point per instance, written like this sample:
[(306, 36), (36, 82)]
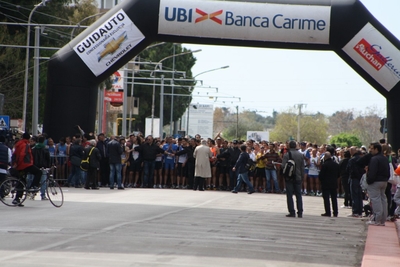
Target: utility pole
[(299, 107), (237, 121)]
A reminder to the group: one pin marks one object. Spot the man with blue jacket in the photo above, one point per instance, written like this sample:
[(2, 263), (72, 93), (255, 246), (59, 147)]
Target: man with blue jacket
[(240, 169)]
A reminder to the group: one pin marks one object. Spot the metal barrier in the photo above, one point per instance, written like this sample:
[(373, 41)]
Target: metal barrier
[(63, 168)]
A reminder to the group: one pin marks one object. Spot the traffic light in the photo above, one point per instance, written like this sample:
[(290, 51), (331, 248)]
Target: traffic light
[(383, 128)]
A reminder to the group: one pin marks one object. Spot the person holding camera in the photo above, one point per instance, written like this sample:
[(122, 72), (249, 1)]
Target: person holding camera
[(293, 186)]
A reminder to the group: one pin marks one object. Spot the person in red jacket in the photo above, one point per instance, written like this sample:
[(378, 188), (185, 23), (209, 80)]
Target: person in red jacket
[(23, 161)]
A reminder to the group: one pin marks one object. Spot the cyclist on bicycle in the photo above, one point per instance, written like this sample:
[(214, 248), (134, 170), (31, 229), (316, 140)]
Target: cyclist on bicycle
[(23, 161), (5, 160)]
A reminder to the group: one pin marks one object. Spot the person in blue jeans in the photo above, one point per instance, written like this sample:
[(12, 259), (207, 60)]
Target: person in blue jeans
[(240, 168), (114, 152), (293, 184), (270, 172), (41, 159), (149, 151), (355, 171), (75, 155)]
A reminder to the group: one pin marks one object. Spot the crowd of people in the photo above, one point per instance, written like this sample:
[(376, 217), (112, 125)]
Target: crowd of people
[(215, 164)]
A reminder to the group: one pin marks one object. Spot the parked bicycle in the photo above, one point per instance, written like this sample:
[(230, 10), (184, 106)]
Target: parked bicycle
[(13, 190)]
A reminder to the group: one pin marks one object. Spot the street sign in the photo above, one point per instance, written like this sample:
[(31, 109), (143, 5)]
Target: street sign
[(4, 122)]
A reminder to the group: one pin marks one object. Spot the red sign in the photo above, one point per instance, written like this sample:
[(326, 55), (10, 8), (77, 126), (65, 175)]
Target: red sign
[(370, 54), (114, 97)]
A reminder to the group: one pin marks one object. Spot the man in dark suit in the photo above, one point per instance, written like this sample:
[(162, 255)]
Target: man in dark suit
[(293, 186), (328, 177)]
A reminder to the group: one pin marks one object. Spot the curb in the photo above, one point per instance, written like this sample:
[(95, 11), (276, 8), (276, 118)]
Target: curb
[(397, 225)]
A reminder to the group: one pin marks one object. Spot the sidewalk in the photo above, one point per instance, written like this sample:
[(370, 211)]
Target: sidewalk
[(382, 247)]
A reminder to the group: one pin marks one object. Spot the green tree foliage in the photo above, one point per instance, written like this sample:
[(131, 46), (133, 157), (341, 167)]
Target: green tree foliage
[(233, 126), (313, 128), (13, 59), (364, 125), (12, 70), (346, 140), (340, 122), (145, 92), (84, 14)]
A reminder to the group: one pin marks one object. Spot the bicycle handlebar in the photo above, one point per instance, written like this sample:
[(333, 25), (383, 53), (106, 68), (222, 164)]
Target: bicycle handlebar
[(48, 169)]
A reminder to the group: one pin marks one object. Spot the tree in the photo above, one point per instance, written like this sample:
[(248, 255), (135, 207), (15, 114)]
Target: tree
[(13, 59), (229, 123), (218, 120), (145, 92), (12, 69), (285, 127), (313, 128), (340, 122), (346, 140), (366, 125)]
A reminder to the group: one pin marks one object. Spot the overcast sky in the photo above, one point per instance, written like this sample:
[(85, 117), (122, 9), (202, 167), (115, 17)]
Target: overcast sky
[(277, 79)]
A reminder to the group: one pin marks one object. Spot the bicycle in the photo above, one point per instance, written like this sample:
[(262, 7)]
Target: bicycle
[(13, 188)]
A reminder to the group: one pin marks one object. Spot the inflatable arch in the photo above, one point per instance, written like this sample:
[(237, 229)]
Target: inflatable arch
[(343, 26)]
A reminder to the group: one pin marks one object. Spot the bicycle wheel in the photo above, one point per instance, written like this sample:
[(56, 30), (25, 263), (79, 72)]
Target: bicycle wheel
[(12, 190), (54, 193)]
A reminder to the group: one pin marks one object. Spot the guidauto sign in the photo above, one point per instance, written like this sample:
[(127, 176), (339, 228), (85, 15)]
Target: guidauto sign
[(107, 44), (245, 21)]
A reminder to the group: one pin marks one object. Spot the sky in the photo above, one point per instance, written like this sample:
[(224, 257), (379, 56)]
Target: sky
[(264, 79)]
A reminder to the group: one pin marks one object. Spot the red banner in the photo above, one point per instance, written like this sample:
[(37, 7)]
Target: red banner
[(114, 97)]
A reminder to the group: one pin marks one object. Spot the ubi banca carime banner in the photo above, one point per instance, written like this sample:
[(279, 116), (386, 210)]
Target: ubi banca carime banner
[(109, 43), (376, 55), (245, 21)]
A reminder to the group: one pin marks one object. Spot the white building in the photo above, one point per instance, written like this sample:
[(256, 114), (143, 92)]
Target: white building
[(107, 4)]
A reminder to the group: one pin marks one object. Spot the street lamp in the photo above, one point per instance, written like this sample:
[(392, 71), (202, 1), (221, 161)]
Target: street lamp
[(159, 64), (187, 120), (28, 36), (79, 23), (124, 113), (220, 68)]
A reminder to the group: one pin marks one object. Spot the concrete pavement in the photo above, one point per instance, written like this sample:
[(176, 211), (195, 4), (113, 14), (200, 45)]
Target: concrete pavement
[(171, 227)]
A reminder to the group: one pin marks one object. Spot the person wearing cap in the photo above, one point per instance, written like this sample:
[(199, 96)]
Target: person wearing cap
[(5, 161), (23, 161)]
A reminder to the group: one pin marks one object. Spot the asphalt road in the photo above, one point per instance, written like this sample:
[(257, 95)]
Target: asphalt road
[(171, 227)]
